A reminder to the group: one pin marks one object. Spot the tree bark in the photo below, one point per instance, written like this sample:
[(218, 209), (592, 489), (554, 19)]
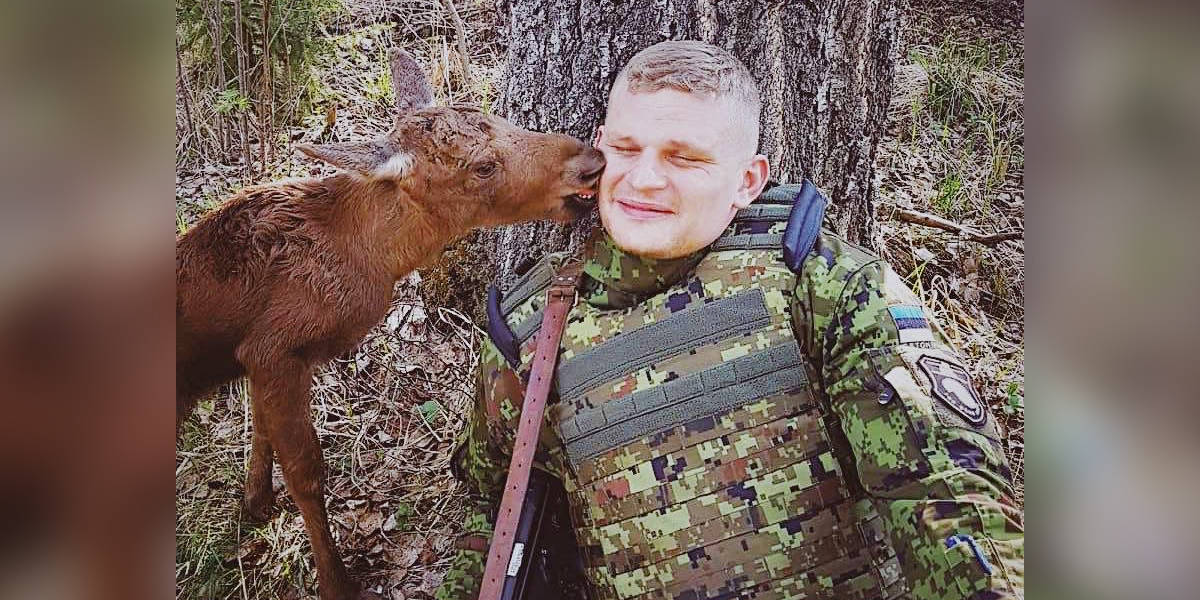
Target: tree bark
[(824, 69)]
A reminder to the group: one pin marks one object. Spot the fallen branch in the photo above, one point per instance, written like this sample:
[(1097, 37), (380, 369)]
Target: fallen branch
[(992, 239), (928, 220)]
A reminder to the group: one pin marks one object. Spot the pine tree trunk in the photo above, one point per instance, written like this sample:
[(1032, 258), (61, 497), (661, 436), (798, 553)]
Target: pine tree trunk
[(824, 68)]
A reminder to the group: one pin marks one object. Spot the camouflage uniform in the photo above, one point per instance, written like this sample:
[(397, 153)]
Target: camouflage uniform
[(727, 428)]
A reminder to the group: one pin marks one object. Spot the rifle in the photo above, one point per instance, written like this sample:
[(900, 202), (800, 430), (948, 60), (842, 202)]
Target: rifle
[(545, 563)]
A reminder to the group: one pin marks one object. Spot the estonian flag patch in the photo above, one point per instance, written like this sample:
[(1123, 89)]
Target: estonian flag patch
[(911, 323)]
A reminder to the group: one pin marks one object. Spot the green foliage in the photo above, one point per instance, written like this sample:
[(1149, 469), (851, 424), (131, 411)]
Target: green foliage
[(296, 45), (952, 68), (429, 410), (487, 96), (999, 148), (1016, 400), (971, 106), (231, 100), (403, 512), (379, 87), (949, 193)]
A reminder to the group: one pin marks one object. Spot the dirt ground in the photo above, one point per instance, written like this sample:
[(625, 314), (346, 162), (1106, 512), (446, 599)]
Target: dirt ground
[(387, 415)]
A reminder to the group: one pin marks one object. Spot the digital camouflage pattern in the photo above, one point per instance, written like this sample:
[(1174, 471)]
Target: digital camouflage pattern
[(726, 428)]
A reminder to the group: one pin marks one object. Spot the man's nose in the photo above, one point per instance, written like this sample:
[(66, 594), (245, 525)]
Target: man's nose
[(645, 174)]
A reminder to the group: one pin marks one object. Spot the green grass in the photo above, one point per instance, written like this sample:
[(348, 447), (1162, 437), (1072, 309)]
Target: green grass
[(203, 545), (953, 67), (999, 150), (379, 86), (217, 555), (971, 106), (949, 194)]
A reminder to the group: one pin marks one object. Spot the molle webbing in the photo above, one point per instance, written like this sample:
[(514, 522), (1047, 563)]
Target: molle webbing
[(682, 331), (532, 282), (762, 213), (780, 193), (529, 326), (713, 390), (508, 341), (748, 241)]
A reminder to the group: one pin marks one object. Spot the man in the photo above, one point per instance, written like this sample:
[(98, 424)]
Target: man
[(728, 423)]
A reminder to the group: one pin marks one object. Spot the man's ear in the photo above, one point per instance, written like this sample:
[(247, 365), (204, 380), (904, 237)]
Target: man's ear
[(598, 136), (754, 178), (372, 159)]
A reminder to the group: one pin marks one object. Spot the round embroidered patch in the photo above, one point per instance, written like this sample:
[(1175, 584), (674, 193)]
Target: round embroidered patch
[(952, 385)]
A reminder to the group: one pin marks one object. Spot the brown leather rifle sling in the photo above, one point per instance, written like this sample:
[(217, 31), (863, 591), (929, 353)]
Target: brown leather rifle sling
[(559, 300)]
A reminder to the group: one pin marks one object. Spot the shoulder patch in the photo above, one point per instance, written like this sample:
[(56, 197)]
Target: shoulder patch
[(952, 385), (911, 323)]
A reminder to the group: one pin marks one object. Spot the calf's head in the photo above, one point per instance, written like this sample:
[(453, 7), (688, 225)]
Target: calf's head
[(469, 166)]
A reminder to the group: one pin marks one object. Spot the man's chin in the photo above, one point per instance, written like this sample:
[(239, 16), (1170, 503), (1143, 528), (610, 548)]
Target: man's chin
[(646, 242), (653, 238)]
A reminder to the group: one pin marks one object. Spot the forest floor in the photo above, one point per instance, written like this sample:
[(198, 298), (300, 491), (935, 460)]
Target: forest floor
[(387, 416)]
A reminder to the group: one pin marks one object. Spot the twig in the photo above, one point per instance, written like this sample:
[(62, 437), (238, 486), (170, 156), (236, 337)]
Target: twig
[(184, 91), (928, 220), (460, 33), (243, 68), (218, 40), (266, 120)]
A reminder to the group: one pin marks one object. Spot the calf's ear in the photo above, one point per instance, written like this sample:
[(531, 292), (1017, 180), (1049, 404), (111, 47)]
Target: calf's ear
[(409, 83), (374, 159)]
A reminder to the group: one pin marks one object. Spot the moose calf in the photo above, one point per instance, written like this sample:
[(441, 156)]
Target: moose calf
[(286, 276)]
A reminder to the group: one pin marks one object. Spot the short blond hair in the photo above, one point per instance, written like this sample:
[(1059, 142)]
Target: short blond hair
[(698, 68)]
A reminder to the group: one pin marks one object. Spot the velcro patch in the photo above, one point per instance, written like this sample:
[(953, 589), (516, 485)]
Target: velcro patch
[(911, 323), (952, 385)]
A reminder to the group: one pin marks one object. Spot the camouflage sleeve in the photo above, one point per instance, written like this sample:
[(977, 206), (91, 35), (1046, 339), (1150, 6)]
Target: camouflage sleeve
[(924, 448), (480, 462)]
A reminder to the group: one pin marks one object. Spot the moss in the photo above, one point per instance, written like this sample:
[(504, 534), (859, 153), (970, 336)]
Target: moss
[(460, 278)]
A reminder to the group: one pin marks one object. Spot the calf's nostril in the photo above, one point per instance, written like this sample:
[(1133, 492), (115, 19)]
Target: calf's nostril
[(593, 166), (594, 172)]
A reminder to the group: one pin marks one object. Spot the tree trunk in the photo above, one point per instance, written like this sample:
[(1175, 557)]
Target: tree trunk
[(824, 69)]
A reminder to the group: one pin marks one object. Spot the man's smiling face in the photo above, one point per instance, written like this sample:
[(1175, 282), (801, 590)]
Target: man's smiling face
[(678, 168)]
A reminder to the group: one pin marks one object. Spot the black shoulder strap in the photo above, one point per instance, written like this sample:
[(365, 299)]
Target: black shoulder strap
[(498, 330), (804, 224)]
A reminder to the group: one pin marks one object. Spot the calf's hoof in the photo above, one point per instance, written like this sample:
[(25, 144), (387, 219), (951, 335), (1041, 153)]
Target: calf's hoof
[(257, 511)]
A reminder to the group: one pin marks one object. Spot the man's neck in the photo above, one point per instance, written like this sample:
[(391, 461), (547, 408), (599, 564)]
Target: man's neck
[(619, 279)]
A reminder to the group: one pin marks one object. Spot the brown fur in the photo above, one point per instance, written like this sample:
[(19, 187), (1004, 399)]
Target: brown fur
[(288, 275)]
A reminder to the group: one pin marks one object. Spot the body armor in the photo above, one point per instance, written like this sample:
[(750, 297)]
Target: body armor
[(693, 444), (745, 423)]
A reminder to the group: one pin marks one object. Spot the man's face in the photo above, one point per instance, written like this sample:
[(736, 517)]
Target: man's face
[(678, 168)]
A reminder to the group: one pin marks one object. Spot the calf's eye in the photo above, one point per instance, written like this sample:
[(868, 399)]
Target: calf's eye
[(485, 170)]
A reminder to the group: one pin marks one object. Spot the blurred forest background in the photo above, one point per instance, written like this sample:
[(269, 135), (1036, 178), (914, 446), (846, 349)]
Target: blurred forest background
[(254, 77)]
